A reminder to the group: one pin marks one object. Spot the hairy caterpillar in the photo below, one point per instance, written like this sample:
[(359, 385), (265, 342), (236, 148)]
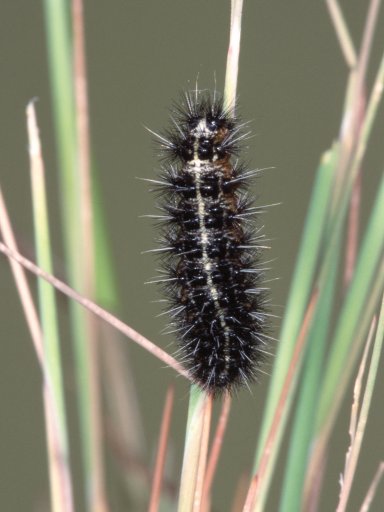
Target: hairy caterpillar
[(210, 247)]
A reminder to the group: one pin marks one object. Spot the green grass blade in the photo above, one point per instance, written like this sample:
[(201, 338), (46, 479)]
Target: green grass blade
[(47, 300), (301, 286), (299, 294), (106, 283), (56, 427), (60, 66), (340, 362), (61, 74), (305, 414), (192, 447)]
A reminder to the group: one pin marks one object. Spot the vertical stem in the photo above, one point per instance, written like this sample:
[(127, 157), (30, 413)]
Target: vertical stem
[(57, 438), (86, 263), (232, 69)]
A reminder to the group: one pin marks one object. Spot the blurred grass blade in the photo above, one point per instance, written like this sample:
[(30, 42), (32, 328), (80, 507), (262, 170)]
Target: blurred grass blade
[(301, 284), (48, 314), (357, 430), (337, 373), (342, 32), (106, 283), (365, 507), (60, 481), (61, 72), (47, 300), (358, 308), (299, 294), (161, 451), (287, 392), (60, 66), (305, 412), (216, 446), (86, 263), (196, 434)]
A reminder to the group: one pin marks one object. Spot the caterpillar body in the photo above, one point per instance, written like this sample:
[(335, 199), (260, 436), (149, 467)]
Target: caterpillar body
[(210, 247)]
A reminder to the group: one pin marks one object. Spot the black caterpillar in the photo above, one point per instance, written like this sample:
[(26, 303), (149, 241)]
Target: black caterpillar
[(210, 246)]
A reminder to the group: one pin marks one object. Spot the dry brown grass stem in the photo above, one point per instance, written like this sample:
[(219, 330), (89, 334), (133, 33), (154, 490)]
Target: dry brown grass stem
[(161, 451), (216, 446), (372, 488), (59, 470), (105, 315), (342, 33), (98, 498), (351, 458)]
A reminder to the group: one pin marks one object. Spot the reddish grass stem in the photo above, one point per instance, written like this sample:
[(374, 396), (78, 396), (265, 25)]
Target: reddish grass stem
[(216, 446), (97, 495), (161, 452), (96, 309), (60, 476), (300, 344)]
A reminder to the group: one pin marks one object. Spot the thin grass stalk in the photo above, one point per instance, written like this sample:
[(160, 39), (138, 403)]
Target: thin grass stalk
[(60, 65), (351, 126), (255, 503), (232, 68), (118, 381), (161, 452), (216, 446), (61, 74), (350, 134), (203, 455), (360, 303), (58, 463), (358, 421), (368, 34), (59, 471), (356, 298), (305, 412), (192, 448), (366, 505), (339, 215), (301, 264), (318, 451), (96, 309), (314, 231), (24, 292), (352, 153), (47, 300), (340, 212), (342, 32), (363, 417), (86, 263), (365, 273)]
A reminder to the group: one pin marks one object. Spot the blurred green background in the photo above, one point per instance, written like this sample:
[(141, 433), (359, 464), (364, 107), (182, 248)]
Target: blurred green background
[(141, 55)]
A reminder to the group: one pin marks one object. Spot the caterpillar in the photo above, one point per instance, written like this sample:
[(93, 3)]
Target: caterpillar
[(210, 247)]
